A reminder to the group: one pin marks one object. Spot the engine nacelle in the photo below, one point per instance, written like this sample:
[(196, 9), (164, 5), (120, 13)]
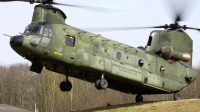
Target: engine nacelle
[(169, 52)]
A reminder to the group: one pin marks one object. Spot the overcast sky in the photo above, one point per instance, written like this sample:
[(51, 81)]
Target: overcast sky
[(15, 16)]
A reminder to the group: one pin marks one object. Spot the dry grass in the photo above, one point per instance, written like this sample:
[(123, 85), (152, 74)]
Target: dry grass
[(191, 105)]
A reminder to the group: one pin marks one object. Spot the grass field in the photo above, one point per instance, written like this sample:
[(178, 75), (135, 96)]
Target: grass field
[(189, 105)]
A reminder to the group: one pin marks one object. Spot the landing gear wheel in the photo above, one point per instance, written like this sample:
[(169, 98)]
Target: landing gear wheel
[(65, 86), (61, 86), (97, 84), (177, 96), (101, 84), (139, 98)]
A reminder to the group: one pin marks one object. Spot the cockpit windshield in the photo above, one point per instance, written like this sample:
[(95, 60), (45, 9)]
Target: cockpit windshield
[(38, 29), (28, 29)]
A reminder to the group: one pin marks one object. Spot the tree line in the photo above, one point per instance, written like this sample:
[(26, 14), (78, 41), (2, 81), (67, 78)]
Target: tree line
[(21, 88)]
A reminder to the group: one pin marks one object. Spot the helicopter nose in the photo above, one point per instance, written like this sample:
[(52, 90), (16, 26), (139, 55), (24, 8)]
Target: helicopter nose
[(16, 41)]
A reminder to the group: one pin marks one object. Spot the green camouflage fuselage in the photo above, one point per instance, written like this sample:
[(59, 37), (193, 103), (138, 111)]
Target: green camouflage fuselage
[(92, 55)]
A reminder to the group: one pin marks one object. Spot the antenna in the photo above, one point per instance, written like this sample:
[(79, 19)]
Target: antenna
[(7, 35)]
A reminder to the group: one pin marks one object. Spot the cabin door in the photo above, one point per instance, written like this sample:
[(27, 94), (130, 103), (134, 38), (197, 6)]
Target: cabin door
[(69, 50)]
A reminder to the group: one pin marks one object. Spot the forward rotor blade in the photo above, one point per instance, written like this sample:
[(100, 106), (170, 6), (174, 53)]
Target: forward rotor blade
[(69, 5), (87, 7), (14, 0)]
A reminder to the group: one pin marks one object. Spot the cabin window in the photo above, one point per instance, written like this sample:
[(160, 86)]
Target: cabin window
[(96, 48), (140, 62), (162, 69), (70, 41), (119, 55)]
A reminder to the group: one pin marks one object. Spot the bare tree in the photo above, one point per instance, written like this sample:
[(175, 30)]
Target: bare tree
[(22, 88)]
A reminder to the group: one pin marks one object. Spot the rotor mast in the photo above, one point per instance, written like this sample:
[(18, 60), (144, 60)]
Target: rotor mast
[(47, 13)]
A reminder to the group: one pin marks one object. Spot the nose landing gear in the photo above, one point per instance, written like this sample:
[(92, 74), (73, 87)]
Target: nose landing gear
[(65, 86)]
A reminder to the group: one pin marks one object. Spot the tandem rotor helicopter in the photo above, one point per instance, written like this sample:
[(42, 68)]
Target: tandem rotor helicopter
[(163, 66)]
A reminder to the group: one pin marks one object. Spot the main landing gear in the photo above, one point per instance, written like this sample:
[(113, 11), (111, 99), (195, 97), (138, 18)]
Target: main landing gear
[(101, 83), (177, 96), (139, 98), (65, 85)]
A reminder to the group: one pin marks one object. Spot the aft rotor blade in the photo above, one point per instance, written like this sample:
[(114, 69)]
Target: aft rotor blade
[(86, 7), (120, 28), (198, 29), (178, 18), (178, 8)]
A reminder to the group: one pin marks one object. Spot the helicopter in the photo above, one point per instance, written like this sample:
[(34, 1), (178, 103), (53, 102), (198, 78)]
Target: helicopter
[(163, 66)]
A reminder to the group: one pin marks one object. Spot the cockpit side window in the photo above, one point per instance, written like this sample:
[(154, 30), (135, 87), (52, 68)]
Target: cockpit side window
[(70, 41), (48, 32), (28, 30)]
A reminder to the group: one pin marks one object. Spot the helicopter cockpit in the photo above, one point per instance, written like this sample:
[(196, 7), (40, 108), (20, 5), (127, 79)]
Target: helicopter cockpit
[(42, 28), (37, 29)]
